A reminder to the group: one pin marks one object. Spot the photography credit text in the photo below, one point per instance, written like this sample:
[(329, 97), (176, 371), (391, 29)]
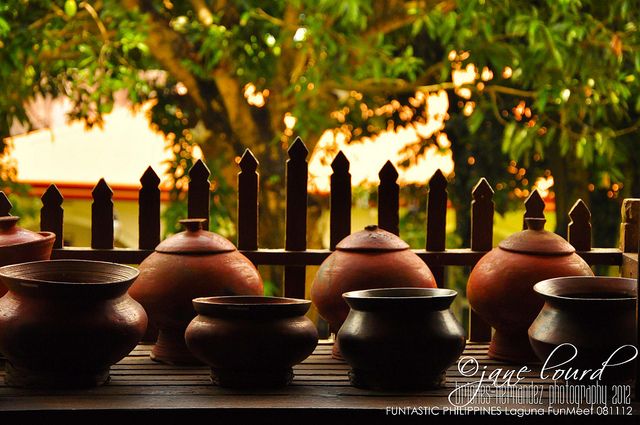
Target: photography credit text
[(553, 388)]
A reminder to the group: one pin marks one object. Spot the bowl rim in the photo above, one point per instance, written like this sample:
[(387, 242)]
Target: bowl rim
[(212, 300), (134, 272), (232, 307), (542, 288), (366, 293)]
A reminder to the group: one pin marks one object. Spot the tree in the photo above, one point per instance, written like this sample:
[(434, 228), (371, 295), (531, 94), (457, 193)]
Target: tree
[(302, 56), (567, 88), (558, 79)]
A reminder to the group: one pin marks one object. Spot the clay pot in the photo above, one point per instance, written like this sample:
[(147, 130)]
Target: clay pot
[(500, 287), (400, 338), (371, 258), (18, 245), (251, 341), (596, 315), (191, 264), (63, 323)]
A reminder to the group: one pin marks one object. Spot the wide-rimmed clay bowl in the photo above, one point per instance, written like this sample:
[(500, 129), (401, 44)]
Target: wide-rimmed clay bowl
[(251, 341), (63, 323), (400, 338), (593, 317)]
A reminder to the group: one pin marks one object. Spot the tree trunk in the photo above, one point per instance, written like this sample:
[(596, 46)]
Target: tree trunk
[(571, 182)]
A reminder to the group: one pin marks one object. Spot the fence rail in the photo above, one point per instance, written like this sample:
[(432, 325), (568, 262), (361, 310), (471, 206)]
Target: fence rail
[(295, 255)]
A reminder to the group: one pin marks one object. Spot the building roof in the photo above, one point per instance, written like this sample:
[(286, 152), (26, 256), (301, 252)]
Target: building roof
[(75, 158)]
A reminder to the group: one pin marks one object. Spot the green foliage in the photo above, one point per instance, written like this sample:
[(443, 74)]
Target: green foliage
[(574, 63), (23, 206)]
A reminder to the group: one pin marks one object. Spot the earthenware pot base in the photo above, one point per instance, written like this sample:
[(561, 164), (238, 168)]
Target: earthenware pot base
[(170, 348), (25, 378), (335, 350), (151, 334), (236, 378), (513, 348), (392, 380)]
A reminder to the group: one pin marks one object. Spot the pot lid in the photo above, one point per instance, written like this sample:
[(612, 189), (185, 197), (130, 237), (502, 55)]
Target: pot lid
[(372, 238), (195, 240), (11, 234), (536, 240)]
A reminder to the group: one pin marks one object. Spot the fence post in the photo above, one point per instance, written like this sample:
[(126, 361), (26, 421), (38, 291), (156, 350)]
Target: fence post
[(579, 229), (296, 217), (534, 205), (248, 204), (52, 214), (637, 389), (482, 210), (149, 210), (198, 194), (102, 216), (340, 218), (630, 226), (5, 205), (389, 199), (437, 220), (629, 244)]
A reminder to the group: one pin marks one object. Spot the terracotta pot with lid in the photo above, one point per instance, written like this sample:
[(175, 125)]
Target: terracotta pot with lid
[(18, 245), (368, 259), (500, 287), (191, 264)]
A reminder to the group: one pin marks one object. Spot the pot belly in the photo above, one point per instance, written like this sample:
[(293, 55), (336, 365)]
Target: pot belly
[(386, 354)]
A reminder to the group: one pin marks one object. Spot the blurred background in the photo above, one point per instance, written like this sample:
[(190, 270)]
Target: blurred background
[(530, 95)]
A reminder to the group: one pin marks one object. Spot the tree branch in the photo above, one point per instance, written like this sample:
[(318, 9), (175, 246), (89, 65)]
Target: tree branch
[(388, 86), (494, 108), (96, 19), (384, 22), (493, 88), (260, 13), (168, 48), (389, 25), (202, 11), (628, 130), (279, 103), (237, 109)]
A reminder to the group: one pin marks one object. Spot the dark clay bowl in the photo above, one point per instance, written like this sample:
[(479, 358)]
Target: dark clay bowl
[(594, 314), (251, 341), (63, 323), (400, 338)]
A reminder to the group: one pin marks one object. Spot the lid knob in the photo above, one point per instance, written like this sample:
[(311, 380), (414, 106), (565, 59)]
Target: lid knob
[(193, 224), (534, 223), (8, 222)]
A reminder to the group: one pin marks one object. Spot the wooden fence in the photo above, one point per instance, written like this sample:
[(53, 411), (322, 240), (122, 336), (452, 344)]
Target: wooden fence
[(295, 255)]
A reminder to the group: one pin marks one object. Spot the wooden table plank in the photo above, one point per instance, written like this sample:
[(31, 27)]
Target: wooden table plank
[(320, 383)]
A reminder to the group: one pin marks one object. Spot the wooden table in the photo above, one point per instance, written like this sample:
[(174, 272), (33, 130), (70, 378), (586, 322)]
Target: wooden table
[(321, 386)]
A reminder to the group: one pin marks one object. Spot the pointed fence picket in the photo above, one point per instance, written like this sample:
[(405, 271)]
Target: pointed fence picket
[(295, 256)]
